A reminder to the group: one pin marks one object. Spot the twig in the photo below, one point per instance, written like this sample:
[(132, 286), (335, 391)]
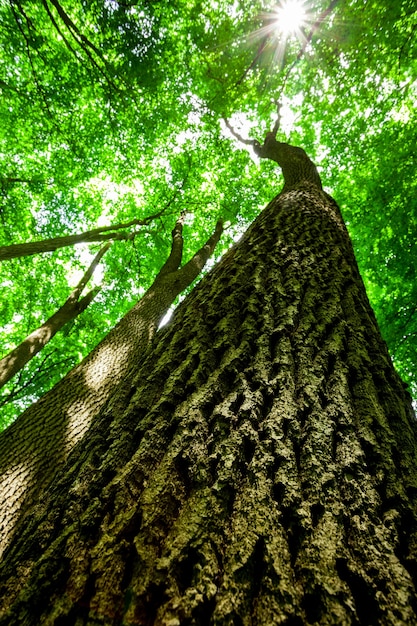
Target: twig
[(247, 142), (278, 120)]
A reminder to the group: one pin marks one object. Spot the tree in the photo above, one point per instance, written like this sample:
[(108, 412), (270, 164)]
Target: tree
[(49, 245), (110, 108), (17, 358), (262, 465), (257, 464), (72, 307), (43, 437)]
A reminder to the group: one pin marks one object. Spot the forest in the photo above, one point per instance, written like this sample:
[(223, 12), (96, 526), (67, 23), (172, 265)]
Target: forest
[(208, 245), (127, 114)]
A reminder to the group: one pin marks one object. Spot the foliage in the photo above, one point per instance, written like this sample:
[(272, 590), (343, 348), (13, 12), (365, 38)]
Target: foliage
[(112, 110)]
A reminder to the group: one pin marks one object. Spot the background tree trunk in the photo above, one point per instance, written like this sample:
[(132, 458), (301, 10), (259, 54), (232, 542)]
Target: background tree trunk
[(38, 443), (263, 470)]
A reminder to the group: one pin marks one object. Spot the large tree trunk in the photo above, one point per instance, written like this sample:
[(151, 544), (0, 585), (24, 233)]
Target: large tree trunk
[(264, 470)]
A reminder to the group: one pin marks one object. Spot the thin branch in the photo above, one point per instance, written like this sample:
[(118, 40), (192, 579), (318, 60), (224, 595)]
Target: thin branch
[(89, 272), (322, 17), (259, 52), (173, 261), (28, 50), (40, 373), (278, 120), (247, 142), (59, 31), (405, 45), (72, 26), (84, 43), (103, 233)]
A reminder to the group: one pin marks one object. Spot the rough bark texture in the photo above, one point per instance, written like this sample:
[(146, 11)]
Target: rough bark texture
[(264, 469), (294, 162), (34, 447), (16, 359)]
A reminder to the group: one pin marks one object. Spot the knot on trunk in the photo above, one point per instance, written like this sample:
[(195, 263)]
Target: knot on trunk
[(294, 162)]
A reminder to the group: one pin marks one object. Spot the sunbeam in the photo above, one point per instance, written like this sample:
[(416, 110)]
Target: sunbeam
[(290, 17)]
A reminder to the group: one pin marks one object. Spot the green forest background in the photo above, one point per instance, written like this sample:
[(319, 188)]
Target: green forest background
[(114, 111)]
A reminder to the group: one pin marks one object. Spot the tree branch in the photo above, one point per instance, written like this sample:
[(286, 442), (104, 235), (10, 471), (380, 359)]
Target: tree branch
[(59, 31), (259, 52), (175, 257), (247, 142), (83, 42), (15, 360), (50, 245), (90, 271), (38, 374), (308, 39), (193, 267)]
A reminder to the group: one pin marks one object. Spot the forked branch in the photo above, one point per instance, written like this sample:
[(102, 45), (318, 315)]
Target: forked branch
[(72, 307)]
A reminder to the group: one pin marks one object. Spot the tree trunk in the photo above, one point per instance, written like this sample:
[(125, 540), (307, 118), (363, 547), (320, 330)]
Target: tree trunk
[(263, 470), (34, 447), (72, 308)]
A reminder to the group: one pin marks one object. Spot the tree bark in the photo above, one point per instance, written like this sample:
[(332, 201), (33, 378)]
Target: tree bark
[(263, 470), (103, 233), (34, 447), (72, 308)]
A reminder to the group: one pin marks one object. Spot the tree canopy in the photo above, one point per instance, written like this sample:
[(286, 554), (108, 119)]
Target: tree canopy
[(117, 111)]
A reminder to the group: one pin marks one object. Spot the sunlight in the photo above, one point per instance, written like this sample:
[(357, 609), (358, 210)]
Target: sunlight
[(291, 16), (288, 19)]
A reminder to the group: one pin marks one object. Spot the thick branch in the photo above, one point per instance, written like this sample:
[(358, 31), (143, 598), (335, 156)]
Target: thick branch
[(193, 267), (50, 245), (87, 299), (294, 162), (175, 257)]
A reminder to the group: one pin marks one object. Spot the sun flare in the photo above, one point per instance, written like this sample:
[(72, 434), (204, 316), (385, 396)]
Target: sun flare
[(290, 16)]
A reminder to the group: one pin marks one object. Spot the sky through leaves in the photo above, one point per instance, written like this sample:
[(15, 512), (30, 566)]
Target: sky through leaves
[(112, 111)]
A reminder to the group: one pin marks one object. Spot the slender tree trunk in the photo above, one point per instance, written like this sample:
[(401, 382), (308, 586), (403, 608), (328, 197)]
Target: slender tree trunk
[(96, 234), (34, 447), (72, 308), (264, 469)]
